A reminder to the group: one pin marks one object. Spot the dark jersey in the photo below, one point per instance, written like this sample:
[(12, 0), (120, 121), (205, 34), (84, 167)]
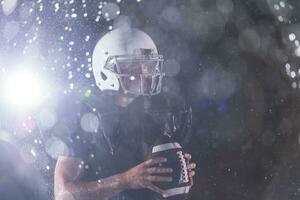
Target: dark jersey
[(112, 139)]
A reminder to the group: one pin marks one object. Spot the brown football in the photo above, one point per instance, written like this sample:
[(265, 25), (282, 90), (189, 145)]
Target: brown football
[(179, 188)]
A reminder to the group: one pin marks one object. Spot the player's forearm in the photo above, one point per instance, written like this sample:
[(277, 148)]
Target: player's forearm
[(101, 189)]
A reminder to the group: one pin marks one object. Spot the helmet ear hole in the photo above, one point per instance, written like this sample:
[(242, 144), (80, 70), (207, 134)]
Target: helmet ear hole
[(103, 76)]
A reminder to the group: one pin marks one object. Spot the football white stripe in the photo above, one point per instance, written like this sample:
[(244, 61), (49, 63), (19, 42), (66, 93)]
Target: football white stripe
[(164, 147), (176, 191)]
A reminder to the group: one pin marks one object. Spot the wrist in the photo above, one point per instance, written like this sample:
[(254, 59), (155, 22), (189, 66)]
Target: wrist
[(123, 181)]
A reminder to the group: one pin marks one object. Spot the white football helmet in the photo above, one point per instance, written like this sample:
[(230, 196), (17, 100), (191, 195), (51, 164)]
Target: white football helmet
[(127, 59)]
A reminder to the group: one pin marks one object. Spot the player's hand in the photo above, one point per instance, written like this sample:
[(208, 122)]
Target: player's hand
[(144, 174), (191, 167)]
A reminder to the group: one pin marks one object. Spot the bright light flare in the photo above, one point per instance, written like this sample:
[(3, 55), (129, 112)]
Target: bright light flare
[(23, 89)]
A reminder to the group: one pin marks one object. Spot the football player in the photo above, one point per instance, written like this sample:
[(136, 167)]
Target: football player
[(109, 160)]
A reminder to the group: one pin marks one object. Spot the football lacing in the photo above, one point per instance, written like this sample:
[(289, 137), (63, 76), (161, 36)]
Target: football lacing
[(184, 178)]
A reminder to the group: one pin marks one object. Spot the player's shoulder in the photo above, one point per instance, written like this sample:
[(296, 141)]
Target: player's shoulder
[(75, 110), (99, 101), (95, 101)]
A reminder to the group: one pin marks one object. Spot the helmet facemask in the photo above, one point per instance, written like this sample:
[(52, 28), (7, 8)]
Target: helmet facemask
[(140, 73)]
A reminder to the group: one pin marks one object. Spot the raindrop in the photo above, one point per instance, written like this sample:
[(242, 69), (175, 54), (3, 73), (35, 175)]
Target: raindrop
[(74, 15), (87, 38), (287, 66), (297, 52), (26, 9), (56, 6), (89, 122), (217, 84), (56, 147), (294, 84), (282, 4), (47, 118), (292, 36), (276, 7), (71, 85), (132, 78), (172, 15), (171, 67), (110, 11), (293, 74)]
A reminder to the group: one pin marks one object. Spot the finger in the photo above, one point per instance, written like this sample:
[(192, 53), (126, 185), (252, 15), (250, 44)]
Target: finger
[(154, 188), (191, 174), (188, 156), (191, 181), (191, 166), (154, 161), (159, 179), (157, 170)]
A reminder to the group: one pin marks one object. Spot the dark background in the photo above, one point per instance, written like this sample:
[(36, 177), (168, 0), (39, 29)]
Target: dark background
[(227, 58)]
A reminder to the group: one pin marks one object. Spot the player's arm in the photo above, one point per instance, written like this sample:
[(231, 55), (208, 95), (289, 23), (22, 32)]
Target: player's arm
[(67, 184)]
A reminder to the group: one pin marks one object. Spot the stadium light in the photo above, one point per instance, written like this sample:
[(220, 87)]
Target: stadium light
[(22, 89)]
